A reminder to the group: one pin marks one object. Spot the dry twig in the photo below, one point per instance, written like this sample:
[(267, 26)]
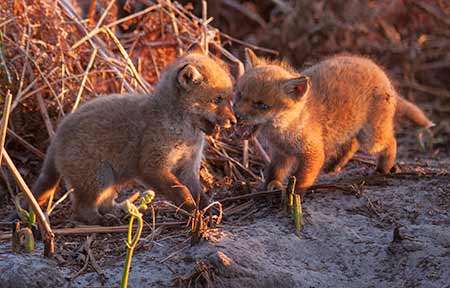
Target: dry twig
[(4, 123), (44, 225), (85, 76)]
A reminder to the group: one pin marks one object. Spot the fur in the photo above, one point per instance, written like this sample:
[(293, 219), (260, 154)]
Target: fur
[(156, 138), (320, 116)]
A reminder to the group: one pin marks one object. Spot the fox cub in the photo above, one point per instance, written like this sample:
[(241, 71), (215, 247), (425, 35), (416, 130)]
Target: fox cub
[(320, 116), (156, 138)]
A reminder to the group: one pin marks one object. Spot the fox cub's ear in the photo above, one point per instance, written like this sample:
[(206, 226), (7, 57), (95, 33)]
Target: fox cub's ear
[(297, 87), (251, 60), (188, 77), (195, 48)]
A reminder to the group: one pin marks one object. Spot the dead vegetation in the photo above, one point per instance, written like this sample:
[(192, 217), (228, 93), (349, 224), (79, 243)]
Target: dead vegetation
[(53, 60)]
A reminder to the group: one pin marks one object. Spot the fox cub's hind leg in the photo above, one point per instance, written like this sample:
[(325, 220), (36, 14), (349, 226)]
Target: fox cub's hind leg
[(382, 139), (107, 202), (94, 207), (94, 194), (386, 159), (85, 205), (47, 181), (106, 199), (349, 150)]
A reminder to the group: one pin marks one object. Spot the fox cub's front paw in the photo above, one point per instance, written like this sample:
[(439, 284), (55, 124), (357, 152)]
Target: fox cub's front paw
[(275, 185)]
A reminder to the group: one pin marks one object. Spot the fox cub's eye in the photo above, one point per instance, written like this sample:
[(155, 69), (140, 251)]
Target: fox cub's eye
[(217, 100), (261, 105)]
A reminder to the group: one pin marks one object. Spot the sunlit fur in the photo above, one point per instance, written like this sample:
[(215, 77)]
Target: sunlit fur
[(156, 138), (351, 105), (265, 83)]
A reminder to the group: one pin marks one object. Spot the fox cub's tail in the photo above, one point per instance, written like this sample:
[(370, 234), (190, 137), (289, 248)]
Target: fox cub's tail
[(48, 179), (410, 111)]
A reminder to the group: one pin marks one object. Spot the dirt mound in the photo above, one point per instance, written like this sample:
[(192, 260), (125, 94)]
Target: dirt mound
[(43, 272)]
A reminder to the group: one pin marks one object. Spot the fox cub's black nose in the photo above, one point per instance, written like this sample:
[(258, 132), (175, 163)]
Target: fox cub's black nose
[(234, 120)]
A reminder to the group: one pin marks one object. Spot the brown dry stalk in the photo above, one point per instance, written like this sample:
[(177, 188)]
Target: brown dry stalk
[(250, 14), (26, 93), (124, 53), (433, 11), (350, 185), (205, 26), (27, 145), (45, 116), (44, 225), (5, 118), (86, 245), (154, 63), (3, 60), (261, 150), (97, 30), (175, 27), (231, 57), (239, 208), (425, 89), (8, 185), (6, 22), (245, 154), (250, 195), (100, 229), (83, 82), (93, 40), (249, 45), (225, 155), (102, 18), (91, 10), (34, 61)]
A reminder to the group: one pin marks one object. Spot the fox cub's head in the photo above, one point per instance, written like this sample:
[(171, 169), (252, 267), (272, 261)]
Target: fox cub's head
[(266, 93), (204, 89)]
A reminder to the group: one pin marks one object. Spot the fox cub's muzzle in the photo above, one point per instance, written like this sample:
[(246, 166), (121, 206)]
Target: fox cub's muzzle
[(227, 118)]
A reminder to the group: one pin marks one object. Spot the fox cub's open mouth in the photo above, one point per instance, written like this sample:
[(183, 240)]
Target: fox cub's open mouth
[(211, 128), (208, 127)]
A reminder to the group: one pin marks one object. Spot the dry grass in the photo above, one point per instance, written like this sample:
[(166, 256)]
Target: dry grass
[(53, 61)]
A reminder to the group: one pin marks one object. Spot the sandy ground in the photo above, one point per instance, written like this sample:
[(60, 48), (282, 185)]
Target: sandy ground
[(348, 241)]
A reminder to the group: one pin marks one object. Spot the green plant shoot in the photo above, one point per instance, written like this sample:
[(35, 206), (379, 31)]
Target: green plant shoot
[(25, 216), (298, 213), (132, 240)]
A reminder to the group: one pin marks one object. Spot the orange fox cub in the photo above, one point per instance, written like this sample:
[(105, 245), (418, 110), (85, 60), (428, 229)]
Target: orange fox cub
[(321, 116), (156, 138)]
